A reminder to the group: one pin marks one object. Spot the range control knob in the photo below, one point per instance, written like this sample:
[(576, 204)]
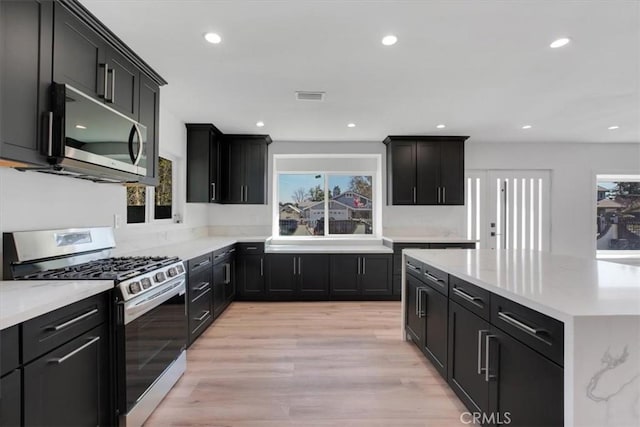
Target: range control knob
[(160, 277), (180, 268), (172, 272), (146, 283), (134, 288)]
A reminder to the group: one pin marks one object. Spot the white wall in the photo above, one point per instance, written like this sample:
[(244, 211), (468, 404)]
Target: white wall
[(573, 167), (31, 201)]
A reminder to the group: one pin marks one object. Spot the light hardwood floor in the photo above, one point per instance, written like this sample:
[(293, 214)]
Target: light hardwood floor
[(308, 364)]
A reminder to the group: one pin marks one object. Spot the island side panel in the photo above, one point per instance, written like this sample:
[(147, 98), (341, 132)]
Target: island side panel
[(606, 371), (403, 284)]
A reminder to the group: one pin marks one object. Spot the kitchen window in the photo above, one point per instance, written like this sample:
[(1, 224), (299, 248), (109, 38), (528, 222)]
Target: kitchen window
[(617, 221), (147, 204), (327, 202)]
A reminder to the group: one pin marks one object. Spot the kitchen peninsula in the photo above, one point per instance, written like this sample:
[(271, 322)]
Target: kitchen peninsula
[(575, 321)]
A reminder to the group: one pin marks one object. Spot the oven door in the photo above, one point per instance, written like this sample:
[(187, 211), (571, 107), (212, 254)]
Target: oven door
[(155, 326)]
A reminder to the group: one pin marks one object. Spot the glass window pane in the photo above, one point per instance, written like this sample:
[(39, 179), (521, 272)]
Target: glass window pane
[(351, 204), (164, 190), (136, 205), (301, 200), (618, 215)]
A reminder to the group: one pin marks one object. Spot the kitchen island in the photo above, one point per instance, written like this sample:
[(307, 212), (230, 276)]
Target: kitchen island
[(591, 331)]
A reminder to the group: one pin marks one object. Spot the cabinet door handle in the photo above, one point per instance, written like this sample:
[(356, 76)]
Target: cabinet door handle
[(50, 134), (246, 193), (106, 99), (518, 324), (261, 267), (418, 302), (438, 193), (480, 332), (213, 191), (294, 266), (487, 353), (62, 359), (415, 197), (466, 296), (444, 195), (227, 271), (202, 287), (113, 85), (251, 248), (201, 318), (73, 321), (105, 78), (364, 266), (359, 268), (299, 266), (422, 312)]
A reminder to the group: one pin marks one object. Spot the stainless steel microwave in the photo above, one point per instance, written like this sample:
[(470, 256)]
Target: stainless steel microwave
[(88, 139)]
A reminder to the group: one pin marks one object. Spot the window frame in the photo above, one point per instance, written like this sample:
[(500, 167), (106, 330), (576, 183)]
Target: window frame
[(376, 191), (150, 199), (609, 177)]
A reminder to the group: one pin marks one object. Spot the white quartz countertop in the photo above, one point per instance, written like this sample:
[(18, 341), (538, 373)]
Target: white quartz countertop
[(560, 286), (428, 239), (191, 248), (21, 300), (329, 249)]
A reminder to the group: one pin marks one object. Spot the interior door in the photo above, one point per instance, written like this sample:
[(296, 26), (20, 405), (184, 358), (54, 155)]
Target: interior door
[(509, 209)]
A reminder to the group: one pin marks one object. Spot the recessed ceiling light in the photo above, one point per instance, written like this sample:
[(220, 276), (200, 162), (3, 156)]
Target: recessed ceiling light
[(351, 125), (389, 40), (526, 127), (213, 38), (613, 127), (260, 124), (441, 126), (80, 127), (559, 42)]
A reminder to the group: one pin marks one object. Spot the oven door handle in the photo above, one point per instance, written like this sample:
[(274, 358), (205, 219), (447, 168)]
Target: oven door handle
[(136, 308)]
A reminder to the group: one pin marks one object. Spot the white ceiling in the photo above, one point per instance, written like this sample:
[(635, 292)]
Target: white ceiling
[(484, 68)]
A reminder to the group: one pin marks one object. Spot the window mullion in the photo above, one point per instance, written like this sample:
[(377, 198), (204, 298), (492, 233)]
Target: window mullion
[(326, 205)]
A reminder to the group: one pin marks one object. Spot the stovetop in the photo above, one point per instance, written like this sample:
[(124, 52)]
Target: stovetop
[(118, 269)]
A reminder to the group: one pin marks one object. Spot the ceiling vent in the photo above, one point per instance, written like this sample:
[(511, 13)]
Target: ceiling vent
[(309, 96)]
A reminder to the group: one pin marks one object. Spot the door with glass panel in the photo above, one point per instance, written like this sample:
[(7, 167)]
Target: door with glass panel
[(509, 209)]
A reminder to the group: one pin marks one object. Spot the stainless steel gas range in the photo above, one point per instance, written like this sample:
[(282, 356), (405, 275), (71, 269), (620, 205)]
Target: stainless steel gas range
[(149, 326)]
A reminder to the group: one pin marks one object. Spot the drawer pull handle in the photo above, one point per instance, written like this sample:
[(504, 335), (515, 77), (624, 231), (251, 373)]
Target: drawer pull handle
[(413, 267), (202, 286), (203, 263), (204, 316), (206, 291), (466, 296), (433, 278), (518, 324), (74, 352), (72, 321), (251, 248), (232, 250)]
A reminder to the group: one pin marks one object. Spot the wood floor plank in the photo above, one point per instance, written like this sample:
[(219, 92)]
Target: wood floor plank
[(316, 364)]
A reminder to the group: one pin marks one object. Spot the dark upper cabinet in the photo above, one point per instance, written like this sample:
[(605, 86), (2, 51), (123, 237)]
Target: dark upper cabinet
[(123, 84), (360, 275), (244, 168), (291, 276), (203, 163), (25, 75), (425, 170), (149, 115), (79, 55)]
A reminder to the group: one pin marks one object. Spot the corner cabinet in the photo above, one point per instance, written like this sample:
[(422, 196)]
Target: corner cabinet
[(425, 170), (149, 115), (203, 163), (244, 169)]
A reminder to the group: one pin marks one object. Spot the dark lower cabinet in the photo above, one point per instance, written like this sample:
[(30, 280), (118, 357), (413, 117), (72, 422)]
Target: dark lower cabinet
[(250, 277), (302, 277), (200, 296), (10, 398), (467, 334), (68, 386), (523, 383), (414, 323), (223, 282), (360, 276)]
